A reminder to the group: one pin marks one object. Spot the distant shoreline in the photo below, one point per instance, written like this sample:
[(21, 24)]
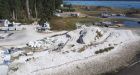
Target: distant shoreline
[(114, 4)]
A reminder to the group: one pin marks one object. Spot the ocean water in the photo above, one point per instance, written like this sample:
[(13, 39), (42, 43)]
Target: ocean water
[(116, 4)]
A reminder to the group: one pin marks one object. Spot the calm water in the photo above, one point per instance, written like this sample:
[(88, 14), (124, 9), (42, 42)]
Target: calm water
[(117, 4), (131, 24)]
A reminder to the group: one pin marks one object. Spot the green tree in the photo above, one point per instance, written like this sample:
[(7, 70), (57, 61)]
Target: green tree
[(4, 9), (28, 9)]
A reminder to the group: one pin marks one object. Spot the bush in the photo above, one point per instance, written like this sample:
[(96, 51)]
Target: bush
[(62, 24), (104, 50), (99, 34), (68, 9), (82, 49)]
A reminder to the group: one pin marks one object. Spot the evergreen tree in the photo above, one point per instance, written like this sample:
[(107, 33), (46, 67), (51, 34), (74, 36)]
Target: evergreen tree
[(28, 9), (4, 9)]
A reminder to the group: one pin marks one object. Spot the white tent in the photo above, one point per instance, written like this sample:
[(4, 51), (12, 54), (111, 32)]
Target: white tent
[(4, 23), (47, 25)]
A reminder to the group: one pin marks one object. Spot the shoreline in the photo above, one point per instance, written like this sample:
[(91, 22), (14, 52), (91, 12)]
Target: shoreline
[(132, 69), (129, 70)]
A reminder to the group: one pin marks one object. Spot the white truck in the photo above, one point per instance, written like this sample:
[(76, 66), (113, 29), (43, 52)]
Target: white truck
[(5, 25), (11, 27), (43, 27)]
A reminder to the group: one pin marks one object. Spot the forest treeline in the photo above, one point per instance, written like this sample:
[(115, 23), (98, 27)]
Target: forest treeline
[(27, 10)]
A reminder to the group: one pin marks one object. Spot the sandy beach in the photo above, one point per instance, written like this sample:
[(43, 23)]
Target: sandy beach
[(85, 63), (69, 37), (95, 65)]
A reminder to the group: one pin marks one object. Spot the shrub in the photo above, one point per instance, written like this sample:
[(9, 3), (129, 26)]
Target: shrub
[(68, 9), (99, 34), (82, 49), (104, 50)]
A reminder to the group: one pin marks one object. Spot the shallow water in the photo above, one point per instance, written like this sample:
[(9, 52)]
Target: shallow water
[(133, 24)]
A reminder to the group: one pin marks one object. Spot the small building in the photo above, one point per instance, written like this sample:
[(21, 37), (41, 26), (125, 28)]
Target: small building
[(68, 14), (105, 15)]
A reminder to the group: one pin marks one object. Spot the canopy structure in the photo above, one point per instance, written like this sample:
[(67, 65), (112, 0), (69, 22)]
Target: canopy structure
[(4, 23)]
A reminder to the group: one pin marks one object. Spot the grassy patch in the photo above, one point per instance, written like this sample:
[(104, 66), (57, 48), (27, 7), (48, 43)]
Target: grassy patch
[(59, 23), (68, 23)]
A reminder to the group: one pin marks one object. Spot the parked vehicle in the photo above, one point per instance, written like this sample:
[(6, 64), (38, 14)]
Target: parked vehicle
[(5, 25), (43, 27)]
